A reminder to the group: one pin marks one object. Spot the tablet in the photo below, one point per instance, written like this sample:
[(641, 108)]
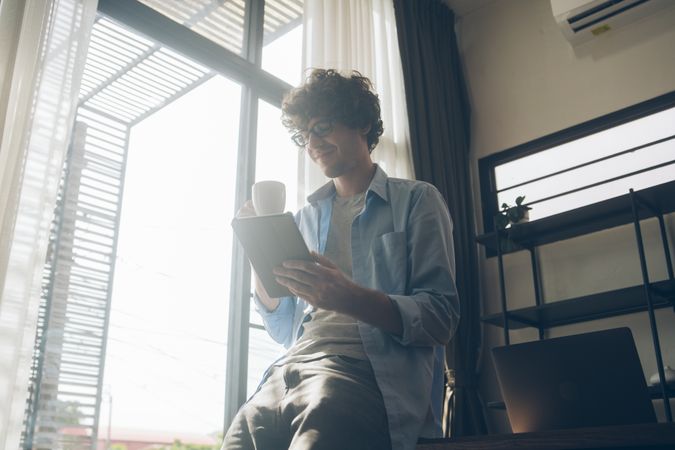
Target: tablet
[(269, 241)]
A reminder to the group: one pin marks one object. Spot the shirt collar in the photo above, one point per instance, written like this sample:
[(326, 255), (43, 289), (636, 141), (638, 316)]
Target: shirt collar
[(378, 185)]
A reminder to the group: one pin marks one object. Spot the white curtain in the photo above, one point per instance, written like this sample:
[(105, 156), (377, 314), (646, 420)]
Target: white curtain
[(43, 45), (361, 35)]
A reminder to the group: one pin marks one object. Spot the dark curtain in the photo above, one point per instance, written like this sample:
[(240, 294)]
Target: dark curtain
[(438, 113)]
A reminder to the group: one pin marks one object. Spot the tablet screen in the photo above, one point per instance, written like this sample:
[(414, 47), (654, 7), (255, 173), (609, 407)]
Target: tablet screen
[(269, 241)]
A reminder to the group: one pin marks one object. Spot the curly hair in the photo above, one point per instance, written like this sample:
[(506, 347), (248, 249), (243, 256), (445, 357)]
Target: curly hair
[(326, 93)]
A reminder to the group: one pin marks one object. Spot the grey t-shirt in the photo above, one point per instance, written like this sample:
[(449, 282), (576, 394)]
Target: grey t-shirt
[(327, 332)]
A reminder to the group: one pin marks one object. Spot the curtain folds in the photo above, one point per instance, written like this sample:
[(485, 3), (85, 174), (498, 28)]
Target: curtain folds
[(438, 112), (361, 35), (43, 46)]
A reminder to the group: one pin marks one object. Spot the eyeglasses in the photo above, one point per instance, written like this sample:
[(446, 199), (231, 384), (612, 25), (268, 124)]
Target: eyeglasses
[(320, 129)]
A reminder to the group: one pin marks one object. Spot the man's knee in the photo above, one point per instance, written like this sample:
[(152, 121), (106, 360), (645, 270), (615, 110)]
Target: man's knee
[(255, 425)]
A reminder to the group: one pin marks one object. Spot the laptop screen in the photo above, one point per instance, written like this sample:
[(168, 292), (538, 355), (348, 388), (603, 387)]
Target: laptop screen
[(585, 380)]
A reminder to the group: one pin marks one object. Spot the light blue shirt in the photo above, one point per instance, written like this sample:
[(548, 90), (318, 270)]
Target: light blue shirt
[(402, 246)]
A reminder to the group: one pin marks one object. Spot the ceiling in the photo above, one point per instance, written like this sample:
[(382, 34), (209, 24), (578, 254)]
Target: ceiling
[(464, 7)]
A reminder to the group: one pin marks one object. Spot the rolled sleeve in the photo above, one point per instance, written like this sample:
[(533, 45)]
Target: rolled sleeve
[(278, 323), (410, 318)]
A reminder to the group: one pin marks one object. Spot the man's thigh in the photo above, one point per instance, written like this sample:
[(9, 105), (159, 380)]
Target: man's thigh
[(324, 404), (336, 405)]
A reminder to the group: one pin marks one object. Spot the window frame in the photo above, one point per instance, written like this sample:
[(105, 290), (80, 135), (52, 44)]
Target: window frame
[(256, 84), (486, 165)]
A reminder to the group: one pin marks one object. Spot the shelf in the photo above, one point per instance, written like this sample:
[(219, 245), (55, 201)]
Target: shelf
[(587, 219), (655, 391), (588, 307)]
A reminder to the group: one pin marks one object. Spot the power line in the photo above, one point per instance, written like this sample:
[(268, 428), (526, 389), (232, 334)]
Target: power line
[(168, 333)]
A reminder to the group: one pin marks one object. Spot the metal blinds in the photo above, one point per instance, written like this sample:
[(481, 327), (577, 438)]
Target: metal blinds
[(222, 21), (126, 78)]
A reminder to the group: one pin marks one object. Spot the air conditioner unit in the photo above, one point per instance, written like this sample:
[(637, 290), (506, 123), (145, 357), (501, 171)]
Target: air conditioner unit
[(583, 20)]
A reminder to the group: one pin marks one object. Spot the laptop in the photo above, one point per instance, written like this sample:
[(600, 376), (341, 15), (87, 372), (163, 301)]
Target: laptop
[(586, 380)]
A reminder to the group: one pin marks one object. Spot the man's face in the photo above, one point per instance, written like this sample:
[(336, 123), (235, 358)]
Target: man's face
[(339, 151)]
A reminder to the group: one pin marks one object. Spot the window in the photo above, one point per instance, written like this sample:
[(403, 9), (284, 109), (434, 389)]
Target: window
[(282, 41), (168, 312), (585, 164), (178, 116)]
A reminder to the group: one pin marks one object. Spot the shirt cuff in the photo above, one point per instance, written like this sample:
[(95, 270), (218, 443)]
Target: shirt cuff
[(285, 307), (410, 318)]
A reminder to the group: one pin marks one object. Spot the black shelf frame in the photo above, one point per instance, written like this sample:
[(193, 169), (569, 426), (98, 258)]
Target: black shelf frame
[(632, 207), (599, 216), (589, 307)]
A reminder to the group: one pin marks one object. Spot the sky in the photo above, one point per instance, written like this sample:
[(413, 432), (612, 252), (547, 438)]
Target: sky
[(629, 135)]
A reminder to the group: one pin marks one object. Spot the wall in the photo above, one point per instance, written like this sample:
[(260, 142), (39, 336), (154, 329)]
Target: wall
[(525, 81)]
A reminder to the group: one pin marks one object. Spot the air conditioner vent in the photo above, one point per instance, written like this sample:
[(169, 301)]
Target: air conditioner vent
[(582, 20), (605, 12)]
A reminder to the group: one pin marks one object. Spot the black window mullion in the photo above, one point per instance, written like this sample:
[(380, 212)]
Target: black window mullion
[(236, 371), (238, 316), (253, 31), (244, 70)]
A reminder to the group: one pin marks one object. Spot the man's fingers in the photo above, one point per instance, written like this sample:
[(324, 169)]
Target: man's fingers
[(297, 275), (308, 298), (311, 266), (246, 210), (324, 261), (299, 265), (297, 288)]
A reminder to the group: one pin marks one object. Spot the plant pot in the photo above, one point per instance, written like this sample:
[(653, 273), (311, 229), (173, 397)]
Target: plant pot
[(525, 218), (669, 373)]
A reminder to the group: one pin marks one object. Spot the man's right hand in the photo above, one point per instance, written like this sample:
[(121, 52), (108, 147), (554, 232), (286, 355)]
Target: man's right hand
[(246, 210)]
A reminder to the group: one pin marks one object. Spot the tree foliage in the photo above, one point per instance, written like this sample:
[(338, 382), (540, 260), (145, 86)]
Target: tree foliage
[(178, 445)]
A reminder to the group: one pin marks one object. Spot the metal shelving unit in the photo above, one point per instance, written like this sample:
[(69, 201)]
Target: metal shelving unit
[(633, 207)]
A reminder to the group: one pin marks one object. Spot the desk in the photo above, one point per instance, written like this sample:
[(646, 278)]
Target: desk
[(652, 436)]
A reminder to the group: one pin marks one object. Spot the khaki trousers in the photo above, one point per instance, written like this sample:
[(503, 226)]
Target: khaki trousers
[(331, 403)]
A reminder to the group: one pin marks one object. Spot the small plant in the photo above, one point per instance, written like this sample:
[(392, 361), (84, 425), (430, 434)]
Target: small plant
[(513, 214)]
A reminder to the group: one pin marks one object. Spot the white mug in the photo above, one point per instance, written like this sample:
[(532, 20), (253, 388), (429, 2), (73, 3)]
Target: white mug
[(269, 197)]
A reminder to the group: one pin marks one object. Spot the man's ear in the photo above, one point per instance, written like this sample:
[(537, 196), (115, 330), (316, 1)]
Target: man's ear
[(365, 130)]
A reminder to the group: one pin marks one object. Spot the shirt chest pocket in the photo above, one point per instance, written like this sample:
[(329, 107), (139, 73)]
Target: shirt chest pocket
[(388, 260)]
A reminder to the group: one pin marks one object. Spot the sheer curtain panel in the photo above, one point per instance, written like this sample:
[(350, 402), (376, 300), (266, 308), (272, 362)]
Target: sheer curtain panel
[(361, 35), (43, 46)]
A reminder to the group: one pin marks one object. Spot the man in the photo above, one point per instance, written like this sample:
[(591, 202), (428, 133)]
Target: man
[(369, 318)]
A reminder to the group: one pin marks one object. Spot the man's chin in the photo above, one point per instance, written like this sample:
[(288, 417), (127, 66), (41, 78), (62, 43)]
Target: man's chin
[(331, 171)]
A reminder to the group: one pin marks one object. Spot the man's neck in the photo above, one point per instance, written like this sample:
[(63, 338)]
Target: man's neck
[(356, 181)]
